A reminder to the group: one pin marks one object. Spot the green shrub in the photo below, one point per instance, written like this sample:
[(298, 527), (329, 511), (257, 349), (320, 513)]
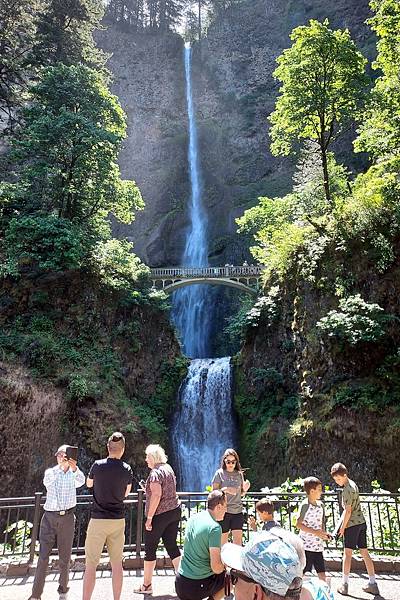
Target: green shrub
[(80, 387), (116, 264), (356, 321), (265, 310), (54, 244)]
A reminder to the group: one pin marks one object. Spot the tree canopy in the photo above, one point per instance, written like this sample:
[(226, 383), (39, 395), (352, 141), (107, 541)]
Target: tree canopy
[(380, 131), (323, 86), (68, 148)]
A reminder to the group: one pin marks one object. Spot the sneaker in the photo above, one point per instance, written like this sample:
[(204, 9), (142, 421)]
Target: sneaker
[(144, 589), (371, 588), (63, 596), (344, 589)]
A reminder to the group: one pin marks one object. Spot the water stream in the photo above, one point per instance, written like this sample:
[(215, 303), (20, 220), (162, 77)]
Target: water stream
[(191, 305), (203, 425)]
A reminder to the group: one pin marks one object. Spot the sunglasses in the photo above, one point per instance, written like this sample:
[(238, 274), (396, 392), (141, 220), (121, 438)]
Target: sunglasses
[(231, 579), (230, 462)]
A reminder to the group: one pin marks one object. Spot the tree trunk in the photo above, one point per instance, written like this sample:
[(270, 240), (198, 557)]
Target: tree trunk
[(326, 174)]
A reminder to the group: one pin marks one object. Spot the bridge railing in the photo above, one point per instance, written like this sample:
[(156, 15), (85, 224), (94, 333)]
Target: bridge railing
[(20, 519), (206, 272)]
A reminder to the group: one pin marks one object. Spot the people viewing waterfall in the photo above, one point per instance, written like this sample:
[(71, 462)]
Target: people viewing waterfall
[(163, 514), (230, 479)]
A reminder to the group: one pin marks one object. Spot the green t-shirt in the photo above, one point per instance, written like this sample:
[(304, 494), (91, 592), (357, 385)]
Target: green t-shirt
[(351, 497), (202, 533)]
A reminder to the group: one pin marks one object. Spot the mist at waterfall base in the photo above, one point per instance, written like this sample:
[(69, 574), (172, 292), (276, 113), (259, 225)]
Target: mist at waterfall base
[(203, 425)]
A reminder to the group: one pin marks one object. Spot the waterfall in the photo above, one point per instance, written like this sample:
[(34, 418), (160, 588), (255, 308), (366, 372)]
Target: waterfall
[(204, 427), (191, 305)]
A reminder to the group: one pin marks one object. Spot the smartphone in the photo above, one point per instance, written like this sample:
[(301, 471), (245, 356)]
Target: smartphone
[(72, 452)]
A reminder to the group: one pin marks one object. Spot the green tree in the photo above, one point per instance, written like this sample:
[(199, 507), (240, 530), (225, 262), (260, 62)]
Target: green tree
[(65, 33), (323, 84), (380, 131), (127, 14), (17, 35), (67, 152)]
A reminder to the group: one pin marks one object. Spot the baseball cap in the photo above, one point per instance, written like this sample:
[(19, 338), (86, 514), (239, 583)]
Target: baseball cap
[(62, 448), (267, 559)]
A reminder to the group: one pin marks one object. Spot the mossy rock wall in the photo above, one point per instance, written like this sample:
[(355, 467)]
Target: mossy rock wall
[(80, 360), (305, 402)]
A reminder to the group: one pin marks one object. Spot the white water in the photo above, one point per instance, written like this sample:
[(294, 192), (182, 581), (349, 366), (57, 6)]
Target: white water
[(191, 305), (204, 426)]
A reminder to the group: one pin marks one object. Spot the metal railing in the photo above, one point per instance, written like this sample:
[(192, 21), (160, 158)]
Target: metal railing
[(245, 271), (20, 519)]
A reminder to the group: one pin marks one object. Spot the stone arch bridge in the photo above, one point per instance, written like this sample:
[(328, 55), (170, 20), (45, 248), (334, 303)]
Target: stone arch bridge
[(244, 278)]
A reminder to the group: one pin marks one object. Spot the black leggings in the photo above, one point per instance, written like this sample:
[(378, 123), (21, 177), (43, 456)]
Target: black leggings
[(165, 526)]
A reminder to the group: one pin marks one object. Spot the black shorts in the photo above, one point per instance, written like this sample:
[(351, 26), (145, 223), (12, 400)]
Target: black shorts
[(356, 537), (316, 560), (198, 589), (232, 522)]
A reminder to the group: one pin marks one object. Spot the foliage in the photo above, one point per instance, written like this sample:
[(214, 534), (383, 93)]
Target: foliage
[(265, 309), (155, 412), (116, 265), (65, 33), (297, 225), (68, 150), (380, 131), (235, 329), (52, 243), (323, 83), (17, 35), (134, 15), (37, 33), (356, 321), (18, 537)]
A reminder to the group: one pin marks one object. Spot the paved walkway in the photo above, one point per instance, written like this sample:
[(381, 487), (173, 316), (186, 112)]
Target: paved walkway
[(19, 588)]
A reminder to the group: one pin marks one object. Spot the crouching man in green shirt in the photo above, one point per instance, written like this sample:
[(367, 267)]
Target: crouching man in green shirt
[(201, 573)]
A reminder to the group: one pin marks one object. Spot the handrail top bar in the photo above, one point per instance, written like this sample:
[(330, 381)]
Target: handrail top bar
[(134, 495)]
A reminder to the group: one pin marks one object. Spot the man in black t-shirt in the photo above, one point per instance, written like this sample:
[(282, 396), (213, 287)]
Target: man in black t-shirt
[(111, 480)]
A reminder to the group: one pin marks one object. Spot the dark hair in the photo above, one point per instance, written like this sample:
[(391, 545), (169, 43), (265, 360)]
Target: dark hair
[(265, 505), (214, 498), (338, 469), (116, 442), (311, 483), (231, 452)]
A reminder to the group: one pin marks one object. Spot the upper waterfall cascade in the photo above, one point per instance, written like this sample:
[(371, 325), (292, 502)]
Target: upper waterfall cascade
[(191, 306)]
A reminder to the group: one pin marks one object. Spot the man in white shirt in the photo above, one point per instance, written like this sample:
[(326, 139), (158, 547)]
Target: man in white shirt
[(58, 521)]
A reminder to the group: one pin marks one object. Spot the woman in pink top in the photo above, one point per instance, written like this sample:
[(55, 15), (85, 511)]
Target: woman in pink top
[(163, 514)]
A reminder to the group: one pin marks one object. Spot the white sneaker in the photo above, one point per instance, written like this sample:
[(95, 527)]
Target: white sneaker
[(63, 596)]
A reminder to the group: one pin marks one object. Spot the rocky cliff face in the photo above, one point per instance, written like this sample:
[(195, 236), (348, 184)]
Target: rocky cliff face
[(148, 78), (234, 93), (79, 361)]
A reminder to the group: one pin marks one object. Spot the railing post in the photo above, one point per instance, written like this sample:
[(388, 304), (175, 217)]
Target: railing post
[(35, 527), (139, 523)]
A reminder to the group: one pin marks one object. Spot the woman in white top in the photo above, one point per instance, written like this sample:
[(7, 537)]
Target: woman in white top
[(229, 478)]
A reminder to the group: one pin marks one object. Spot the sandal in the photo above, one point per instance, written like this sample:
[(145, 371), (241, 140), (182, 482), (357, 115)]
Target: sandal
[(144, 589)]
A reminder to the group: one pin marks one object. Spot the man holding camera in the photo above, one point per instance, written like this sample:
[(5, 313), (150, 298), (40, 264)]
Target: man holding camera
[(58, 521)]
